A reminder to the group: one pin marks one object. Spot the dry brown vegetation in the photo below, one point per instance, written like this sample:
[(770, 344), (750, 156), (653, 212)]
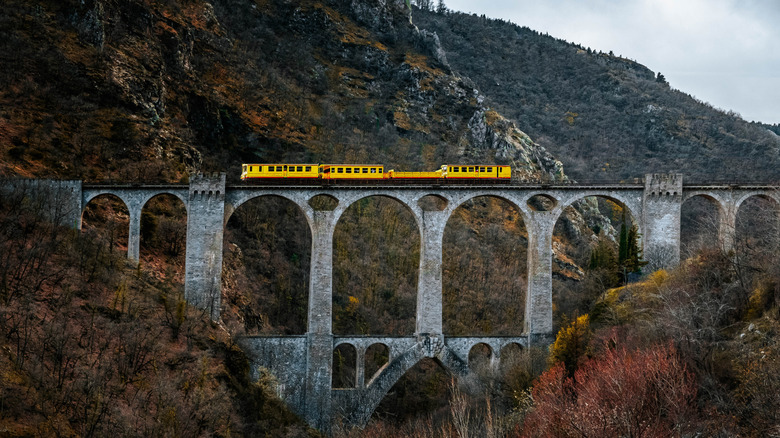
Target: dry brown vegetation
[(92, 346), (148, 90)]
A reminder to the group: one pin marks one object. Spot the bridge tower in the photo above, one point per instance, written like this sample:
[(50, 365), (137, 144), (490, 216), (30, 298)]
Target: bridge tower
[(662, 204), (203, 262)]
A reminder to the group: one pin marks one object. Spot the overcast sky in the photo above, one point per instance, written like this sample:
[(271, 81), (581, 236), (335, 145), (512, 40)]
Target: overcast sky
[(725, 52)]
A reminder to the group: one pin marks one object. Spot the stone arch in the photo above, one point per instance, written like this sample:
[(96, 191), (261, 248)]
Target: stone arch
[(762, 195), (234, 204), (349, 200), (369, 399), (633, 206), (702, 217), (344, 372), (90, 196), (175, 194), (267, 245), (376, 253), (484, 266), (113, 231), (515, 203)]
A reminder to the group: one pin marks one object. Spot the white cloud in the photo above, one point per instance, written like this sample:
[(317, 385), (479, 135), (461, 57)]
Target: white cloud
[(724, 52)]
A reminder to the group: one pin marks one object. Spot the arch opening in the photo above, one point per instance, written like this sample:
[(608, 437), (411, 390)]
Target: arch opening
[(541, 202), (511, 355), (484, 259), (107, 220), (376, 255), (432, 203), (421, 393), (163, 237), (699, 225), (596, 245), (377, 356), (344, 367), (757, 237), (480, 357), (323, 203), (266, 264)]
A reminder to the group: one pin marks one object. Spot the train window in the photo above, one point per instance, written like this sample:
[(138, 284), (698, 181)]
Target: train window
[(285, 168), (357, 170), (327, 170), (464, 169), (373, 170), (500, 169), (471, 169), (481, 169), (365, 170), (340, 170), (349, 170), (308, 168), (299, 168), (489, 169)]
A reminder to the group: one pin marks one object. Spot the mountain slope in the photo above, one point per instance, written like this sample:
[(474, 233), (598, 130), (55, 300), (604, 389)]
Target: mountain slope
[(97, 87), (607, 117)]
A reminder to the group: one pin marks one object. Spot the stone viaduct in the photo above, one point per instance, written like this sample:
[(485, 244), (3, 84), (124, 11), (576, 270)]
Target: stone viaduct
[(303, 364)]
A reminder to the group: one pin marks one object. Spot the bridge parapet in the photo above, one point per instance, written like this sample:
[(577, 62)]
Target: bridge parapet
[(56, 200)]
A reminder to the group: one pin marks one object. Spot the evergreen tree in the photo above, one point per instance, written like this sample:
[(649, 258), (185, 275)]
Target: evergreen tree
[(623, 242), (629, 254), (441, 8)]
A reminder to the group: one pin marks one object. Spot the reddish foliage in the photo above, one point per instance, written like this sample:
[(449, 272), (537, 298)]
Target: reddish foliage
[(623, 393)]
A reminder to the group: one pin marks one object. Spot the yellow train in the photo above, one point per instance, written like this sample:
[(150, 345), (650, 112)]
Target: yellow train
[(356, 173)]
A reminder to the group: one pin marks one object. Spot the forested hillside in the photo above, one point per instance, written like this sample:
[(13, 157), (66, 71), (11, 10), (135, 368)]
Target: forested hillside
[(154, 90), (94, 88), (604, 116)]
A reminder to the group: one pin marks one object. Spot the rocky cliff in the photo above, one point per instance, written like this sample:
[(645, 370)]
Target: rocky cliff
[(96, 87)]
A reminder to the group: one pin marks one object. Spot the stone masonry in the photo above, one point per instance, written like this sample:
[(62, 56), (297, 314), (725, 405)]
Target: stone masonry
[(303, 364)]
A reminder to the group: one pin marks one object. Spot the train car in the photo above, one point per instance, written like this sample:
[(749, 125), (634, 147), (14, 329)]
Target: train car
[(354, 173), (476, 171), (351, 171), (277, 171), (416, 176)]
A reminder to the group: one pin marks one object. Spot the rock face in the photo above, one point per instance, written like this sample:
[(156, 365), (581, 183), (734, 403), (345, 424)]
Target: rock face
[(198, 85), (488, 130), (136, 90)]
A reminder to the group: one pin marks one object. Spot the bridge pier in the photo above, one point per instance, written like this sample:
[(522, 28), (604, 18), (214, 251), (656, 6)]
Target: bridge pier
[(727, 225), (429, 286), (661, 206), (319, 359), (134, 233), (538, 302), (203, 259)]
